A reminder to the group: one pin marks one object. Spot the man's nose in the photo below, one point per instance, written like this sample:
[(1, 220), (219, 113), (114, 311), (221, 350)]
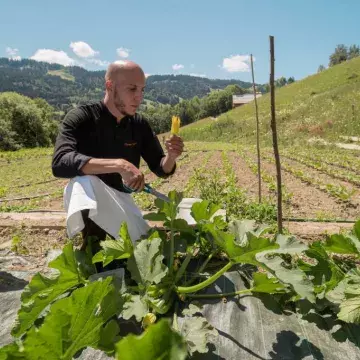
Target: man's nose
[(138, 96)]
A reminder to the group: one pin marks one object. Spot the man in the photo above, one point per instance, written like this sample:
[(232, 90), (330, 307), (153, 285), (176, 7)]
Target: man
[(107, 139)]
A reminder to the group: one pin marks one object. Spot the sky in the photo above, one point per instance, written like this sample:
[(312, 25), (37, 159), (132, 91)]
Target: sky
[(209, 38)]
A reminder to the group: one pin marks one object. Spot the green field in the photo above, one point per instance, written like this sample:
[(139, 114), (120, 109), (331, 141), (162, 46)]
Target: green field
[(62, 73)]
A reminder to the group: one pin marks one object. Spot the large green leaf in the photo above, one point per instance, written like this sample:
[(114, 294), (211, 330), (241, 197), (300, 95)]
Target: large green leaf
[(350, 310), (43, 290), (239, 254), (197, 333), (146, 264), (293, 276), (75, 323), (158, 342), (112, 250), (285, 245), (244, 229), (342, 244), (203, 211), (325, 272), (265, 284), (254, 246), (135, 306), (115, 249)]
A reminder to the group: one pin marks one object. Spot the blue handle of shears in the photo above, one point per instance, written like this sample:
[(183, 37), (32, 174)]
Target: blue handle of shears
[(147, 189)]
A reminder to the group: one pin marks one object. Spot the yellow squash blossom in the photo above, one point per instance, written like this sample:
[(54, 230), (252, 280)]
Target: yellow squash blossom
[(148, 319), (175, 125)]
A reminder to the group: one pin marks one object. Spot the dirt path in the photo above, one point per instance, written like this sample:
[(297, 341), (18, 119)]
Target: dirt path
[(246, 179), (183, 173)]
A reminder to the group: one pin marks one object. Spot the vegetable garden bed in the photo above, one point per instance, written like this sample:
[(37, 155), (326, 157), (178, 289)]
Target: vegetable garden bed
[(295, 299)]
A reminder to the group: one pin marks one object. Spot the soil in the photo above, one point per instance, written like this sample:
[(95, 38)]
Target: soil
[(350, 210), (183, 173), (246, 179)]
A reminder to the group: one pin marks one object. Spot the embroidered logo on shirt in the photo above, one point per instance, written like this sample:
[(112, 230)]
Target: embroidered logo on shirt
[(130, 144)]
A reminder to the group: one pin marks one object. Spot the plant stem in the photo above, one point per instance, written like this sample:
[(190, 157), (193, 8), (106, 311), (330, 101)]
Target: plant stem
[(201, 269), (203, 266), (214, 296), (203, 284), (172, 247), (183, 267)]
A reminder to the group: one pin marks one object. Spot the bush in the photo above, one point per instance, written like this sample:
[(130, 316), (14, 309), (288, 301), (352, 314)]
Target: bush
[(25, 122)]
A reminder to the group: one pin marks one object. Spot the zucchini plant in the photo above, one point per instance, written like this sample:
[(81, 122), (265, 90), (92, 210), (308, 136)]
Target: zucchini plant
[(74, 307)]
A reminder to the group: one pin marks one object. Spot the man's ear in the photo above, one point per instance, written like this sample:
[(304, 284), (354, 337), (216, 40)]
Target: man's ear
[(109, 85)]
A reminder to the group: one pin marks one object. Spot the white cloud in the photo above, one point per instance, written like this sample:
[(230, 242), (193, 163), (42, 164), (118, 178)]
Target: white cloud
[(147, 75), (237, 63), (98, 62), (82, 49), (53, 56), (177, 67), (120, 62), (198, 75), (123, 52), (12, 53)]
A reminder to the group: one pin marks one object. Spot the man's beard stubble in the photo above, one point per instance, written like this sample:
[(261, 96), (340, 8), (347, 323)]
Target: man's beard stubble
[(119, 104)]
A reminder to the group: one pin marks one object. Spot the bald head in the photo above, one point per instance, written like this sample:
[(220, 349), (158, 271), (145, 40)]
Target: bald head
[(125, 82), (123, 68)]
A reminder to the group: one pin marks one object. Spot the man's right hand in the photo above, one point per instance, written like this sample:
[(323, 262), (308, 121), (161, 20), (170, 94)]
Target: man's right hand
[(131, 175)]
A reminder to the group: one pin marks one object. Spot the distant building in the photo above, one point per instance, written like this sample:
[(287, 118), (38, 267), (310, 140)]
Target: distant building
[(239, 100)]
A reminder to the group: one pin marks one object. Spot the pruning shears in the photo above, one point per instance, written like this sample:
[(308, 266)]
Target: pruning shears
[(149, 190)]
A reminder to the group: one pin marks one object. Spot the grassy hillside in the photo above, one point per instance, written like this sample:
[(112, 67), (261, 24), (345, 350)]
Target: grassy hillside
[(63, 74), (323, 105)]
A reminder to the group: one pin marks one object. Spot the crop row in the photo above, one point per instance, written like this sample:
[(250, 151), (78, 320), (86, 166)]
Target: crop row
[(323, 167), (339, 192), (266, 177), (336, 158)]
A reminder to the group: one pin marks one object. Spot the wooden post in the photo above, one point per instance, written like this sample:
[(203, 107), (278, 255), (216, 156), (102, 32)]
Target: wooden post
[(257, 129), (274, 134)]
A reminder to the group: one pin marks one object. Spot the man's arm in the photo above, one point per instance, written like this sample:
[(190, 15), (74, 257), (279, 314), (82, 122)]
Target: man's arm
[(160, 164), (67, 162)]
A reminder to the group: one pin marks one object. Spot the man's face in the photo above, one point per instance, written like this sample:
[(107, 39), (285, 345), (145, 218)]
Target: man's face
[(128, 91)]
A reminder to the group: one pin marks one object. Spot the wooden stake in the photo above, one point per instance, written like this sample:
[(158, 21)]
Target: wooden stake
[(257, 129), (274, 134)]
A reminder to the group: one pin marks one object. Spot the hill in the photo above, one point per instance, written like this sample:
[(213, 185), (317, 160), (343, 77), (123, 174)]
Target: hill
[(64, 87), (322, 105)]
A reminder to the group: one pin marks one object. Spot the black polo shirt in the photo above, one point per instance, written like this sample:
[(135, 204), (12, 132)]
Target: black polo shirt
[(91, 131)]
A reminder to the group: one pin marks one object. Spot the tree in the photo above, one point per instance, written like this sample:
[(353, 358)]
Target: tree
[(23, 123), (354, 51), (290, 80), (321, 68), (281, 82), (340, 55)]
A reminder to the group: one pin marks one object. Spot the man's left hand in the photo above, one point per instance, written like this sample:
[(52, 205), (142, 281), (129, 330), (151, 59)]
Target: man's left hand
[(174, 147)]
